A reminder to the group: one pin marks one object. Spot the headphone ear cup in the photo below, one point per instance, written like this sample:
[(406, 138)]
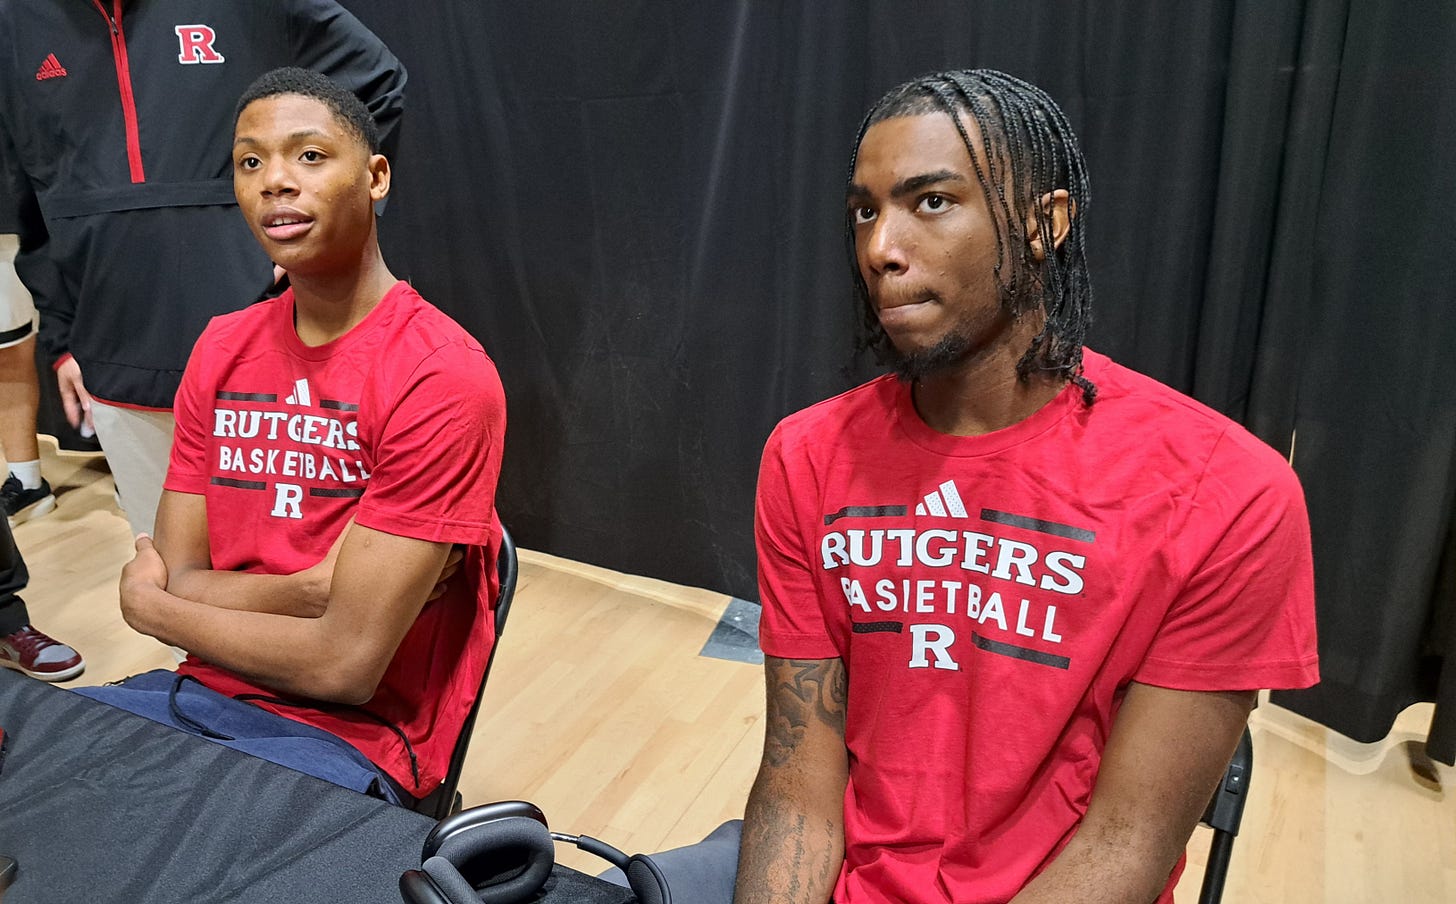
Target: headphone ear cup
[(646, 880), (416, 887), (450, 886), (500, 862)]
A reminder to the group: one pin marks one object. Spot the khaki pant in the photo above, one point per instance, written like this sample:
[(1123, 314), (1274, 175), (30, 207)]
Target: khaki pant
[(138, 445)]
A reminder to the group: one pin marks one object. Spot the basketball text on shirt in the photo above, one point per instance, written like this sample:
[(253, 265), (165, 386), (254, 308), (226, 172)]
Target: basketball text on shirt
[(1021, 571), (269, 433)]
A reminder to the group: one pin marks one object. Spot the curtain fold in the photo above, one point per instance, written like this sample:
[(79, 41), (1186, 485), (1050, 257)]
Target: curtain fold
[(1373, 412)]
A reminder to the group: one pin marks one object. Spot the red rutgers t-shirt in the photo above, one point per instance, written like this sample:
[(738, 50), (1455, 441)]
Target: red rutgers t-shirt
[(993, 596), (397, 424)]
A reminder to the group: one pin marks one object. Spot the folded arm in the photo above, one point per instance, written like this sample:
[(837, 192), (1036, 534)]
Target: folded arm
[(182, 543), (793, 831), (1164, 757), (335, 650)]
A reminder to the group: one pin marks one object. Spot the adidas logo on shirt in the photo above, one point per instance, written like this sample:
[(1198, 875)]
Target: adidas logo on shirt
[(944, 501), (51, 68), (300, 395)]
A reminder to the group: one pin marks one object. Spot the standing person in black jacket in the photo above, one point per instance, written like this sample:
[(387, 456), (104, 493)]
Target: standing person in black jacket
[(109, 113)]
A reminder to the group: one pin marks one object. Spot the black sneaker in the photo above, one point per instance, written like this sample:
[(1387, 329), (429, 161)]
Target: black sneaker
[(21, 504)]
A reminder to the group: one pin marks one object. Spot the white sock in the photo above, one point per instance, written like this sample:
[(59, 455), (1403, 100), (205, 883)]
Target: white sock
[(28, 472)]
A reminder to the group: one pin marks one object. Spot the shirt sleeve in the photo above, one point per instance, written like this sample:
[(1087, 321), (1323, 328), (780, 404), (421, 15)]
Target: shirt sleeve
[(187, 469), (792, 625), (438, 456), (1245, 617)]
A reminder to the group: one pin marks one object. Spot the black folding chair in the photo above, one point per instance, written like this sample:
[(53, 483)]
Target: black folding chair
[(1225, 812), (445, 799)]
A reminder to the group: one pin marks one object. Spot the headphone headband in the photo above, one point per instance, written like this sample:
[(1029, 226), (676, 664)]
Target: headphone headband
[(466, 820), (502, 853)]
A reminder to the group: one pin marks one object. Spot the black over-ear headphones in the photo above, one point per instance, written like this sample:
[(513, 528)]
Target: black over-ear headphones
[(502, 853)]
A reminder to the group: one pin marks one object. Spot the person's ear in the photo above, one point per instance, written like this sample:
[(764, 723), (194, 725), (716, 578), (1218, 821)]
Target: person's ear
[(1059, 209), (378, 177)]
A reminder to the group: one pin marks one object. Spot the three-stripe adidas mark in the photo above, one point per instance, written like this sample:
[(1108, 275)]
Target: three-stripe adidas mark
[(301, 395), (50, 68), (944, 501)]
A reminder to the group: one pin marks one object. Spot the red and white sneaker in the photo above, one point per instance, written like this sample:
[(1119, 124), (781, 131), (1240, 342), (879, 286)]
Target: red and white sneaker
[(40, 656)]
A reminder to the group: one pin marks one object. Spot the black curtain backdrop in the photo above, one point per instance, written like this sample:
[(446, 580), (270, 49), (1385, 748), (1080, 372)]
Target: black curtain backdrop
[(637, 207)]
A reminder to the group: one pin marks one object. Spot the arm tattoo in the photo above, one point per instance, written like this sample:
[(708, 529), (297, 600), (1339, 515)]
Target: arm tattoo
[(793, 835), (783, 859), (800, 690)]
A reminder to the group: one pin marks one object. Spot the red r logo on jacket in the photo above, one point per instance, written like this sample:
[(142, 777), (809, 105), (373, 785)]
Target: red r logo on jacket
[(196, 44)]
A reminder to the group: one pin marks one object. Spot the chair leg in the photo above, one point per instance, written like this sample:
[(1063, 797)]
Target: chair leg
[(1216, 873)]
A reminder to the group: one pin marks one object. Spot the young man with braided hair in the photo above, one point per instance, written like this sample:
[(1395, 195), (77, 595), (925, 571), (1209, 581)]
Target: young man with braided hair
[(1017, 599)]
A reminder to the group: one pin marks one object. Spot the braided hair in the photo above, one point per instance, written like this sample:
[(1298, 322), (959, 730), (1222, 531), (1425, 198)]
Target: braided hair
[(1028, 149)]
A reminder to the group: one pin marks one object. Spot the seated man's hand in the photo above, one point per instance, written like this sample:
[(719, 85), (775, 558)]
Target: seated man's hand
[(452, 565), (146, 571)]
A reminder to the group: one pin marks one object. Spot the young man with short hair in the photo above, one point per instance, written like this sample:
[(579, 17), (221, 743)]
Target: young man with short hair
[(111, 127), (326, 543)]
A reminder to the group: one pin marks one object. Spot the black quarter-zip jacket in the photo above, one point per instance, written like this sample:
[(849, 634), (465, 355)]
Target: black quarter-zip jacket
[(116, 120)]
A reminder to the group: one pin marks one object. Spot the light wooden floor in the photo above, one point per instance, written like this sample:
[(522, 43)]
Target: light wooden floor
[(601, 711)]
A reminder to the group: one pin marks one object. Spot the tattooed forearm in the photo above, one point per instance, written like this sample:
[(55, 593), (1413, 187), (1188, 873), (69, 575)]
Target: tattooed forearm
[(793, 829), (800, 690), (786, 858)]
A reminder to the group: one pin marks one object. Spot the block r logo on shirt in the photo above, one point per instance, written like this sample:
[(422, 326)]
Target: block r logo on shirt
[(195, 45)]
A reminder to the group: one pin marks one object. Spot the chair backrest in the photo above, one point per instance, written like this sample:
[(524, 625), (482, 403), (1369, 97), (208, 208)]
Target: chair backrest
[(445, 799), (1224, 813)]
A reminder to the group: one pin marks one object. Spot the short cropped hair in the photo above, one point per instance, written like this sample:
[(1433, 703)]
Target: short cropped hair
[(347, 108)]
